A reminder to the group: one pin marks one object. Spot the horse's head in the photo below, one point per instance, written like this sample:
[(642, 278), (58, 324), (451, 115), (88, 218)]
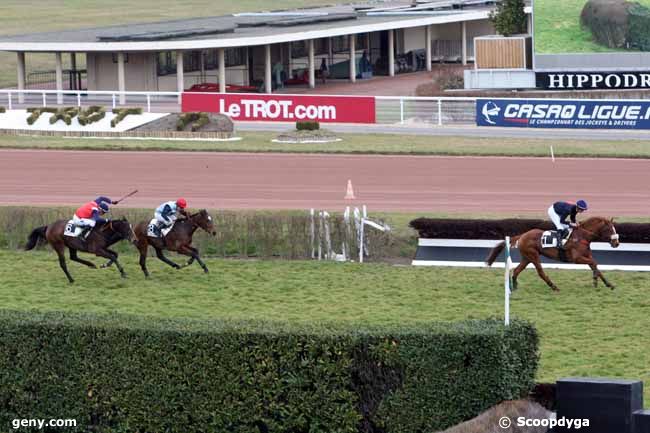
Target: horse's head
[(603, 229), (204, 220)]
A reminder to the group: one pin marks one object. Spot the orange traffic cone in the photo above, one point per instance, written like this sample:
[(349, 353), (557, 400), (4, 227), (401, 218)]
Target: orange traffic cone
[(349, 195)]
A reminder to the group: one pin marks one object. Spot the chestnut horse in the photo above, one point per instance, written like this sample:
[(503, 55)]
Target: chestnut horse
[(576, 250), (178, 239), (99, 239)]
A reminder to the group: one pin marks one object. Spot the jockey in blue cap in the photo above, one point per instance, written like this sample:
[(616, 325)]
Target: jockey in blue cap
[(560, 211)]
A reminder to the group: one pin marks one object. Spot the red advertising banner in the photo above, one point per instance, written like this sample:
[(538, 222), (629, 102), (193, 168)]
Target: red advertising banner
[(283, 108)]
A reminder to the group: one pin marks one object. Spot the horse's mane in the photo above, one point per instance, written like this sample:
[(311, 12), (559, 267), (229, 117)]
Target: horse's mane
[(594, 221)]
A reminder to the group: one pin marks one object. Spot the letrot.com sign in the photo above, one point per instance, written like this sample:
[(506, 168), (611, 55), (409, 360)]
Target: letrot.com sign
[(284, 108), (545, 113)]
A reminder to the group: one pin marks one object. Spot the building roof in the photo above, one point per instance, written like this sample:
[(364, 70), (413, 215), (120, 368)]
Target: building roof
[(249, 29)]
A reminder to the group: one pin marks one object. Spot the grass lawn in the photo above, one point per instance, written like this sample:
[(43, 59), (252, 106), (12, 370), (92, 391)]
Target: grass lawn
[(35, 16), (357, 143), (584, 331), (558, 30)]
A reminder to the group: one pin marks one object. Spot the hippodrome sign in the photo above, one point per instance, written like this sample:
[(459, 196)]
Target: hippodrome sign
[(283, 108), (549, 113)]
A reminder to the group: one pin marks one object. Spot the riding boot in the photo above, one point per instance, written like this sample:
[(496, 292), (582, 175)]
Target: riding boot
[(563, 240), (84, 234)]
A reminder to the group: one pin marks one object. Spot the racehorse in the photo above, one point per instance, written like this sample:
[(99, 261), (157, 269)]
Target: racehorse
[(100, 238), (576, 250), (178, 239)]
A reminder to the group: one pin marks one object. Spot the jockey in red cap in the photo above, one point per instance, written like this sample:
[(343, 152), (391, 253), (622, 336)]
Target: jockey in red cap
[(88, 215), (167, 213)]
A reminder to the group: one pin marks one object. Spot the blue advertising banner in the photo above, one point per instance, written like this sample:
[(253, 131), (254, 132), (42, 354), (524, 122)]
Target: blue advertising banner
[(549, 113)]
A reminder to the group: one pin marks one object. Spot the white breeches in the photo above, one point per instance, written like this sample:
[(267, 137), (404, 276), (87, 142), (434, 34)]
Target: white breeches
[(556, 219), (160, 219), (84, 222)]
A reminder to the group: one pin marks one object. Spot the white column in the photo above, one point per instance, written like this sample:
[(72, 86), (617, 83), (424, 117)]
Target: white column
[(312, 66), (221, 55), (180, 77), (529, 24), (464, 29), (268, 85), (353, 59), (391, 53), (59, 77), (427, 34), (121, 81), (20, 57)]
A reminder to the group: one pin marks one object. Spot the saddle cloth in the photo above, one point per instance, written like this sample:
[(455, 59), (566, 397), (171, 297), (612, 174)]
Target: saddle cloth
[(72, 230), (154, 231), (549, 239)]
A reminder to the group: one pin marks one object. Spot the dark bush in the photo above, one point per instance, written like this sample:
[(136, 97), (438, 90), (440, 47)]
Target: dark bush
[(2, 109), (608, 21), (122, 373), (307, 126), (440, 228), (196, 119), (639, 27)]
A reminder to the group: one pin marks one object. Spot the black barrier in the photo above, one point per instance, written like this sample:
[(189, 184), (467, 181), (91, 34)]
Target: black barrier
[(641, 421), (608, 404)]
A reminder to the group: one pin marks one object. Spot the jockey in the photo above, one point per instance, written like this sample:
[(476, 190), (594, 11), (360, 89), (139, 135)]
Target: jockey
[(167, 213), (560, 211), (88, 215)]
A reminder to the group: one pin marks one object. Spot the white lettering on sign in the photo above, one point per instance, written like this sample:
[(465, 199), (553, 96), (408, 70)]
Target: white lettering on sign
[(275, 109)]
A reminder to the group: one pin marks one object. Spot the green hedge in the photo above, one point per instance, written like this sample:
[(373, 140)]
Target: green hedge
[(2, 109), (128, 374), (92, 114), (307, 126), (122, 113), (639, 27), (197, 119)]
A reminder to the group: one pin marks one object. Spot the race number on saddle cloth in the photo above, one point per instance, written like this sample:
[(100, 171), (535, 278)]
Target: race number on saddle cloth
[(87, 216), (558, 213), (165, 216)]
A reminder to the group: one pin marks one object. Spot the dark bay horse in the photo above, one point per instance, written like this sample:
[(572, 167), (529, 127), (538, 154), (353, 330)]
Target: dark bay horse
[(577, 249), (178, 239), (100, 238)]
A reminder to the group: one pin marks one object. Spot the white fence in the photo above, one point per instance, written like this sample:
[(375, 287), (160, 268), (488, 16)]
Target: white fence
[(389, 109)]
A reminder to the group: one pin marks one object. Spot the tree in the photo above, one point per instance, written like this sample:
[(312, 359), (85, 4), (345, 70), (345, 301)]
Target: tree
[(509, 17)]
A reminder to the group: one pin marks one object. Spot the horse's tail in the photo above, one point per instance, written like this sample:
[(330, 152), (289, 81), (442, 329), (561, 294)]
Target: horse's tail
[(498, 248), (34, 237), (495, 253)]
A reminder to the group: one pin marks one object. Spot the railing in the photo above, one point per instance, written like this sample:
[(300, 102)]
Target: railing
[(403, 110)]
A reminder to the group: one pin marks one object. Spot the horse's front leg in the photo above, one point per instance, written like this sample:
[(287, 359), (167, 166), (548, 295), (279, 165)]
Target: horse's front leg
[(194, 255), (112, 257), (596, 272)]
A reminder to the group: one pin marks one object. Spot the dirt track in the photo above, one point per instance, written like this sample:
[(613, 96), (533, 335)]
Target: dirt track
[(615, 187)]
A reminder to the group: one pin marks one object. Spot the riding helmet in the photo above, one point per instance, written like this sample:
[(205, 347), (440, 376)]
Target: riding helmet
[(104, 206), (581, 204), (181, 203)]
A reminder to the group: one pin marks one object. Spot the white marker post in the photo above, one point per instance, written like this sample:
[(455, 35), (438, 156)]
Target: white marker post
[(507, 263)]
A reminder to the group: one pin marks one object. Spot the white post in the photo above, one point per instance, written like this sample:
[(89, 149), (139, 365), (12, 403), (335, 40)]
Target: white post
[(401, 110), (427, 32), (9, 100), (320, 235), (44, 100), (289, 63), (464, 30), (78, 99), (439, 112), (59, 78), (121, 81), (507, 282), (391, 53), (221, 54), (363, 223), (268, 84), (312, 65), (313, 235), (113, 96), (180, 77), (21, 76), (353, 59), (148, 103)]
